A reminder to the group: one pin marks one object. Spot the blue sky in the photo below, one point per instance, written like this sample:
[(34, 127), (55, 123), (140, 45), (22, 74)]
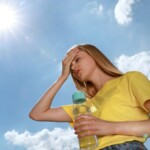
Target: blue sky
[(32, 49)]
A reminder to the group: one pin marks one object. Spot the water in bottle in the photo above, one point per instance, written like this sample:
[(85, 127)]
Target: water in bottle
[(88, 142)]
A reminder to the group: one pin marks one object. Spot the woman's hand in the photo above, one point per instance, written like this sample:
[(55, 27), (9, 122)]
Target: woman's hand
[(66, 62), (86, 125)]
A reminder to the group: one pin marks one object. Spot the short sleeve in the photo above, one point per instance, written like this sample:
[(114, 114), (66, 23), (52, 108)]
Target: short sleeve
[(69, 110), (140, 86)]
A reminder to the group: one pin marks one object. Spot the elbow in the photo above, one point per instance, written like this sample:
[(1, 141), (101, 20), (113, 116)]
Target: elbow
[(34, 116)]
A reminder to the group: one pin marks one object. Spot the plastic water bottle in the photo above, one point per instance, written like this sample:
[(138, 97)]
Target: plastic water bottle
[(88, 142)]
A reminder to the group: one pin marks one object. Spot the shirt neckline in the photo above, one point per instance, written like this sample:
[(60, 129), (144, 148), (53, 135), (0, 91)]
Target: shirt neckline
[(106, 84)]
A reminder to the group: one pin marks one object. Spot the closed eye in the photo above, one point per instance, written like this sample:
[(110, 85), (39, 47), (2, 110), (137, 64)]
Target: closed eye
[(77, 59)]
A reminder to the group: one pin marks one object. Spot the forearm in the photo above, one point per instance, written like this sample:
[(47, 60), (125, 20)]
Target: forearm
[(135, 128), (96, 126), (46, 100)]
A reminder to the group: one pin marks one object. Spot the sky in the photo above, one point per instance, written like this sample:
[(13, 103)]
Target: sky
[(33, 45)]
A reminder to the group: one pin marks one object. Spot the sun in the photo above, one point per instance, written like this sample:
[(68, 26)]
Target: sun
[(8, 17)]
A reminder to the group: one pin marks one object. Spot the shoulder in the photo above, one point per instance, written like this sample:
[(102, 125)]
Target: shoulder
[(136, 76), (132, 74)]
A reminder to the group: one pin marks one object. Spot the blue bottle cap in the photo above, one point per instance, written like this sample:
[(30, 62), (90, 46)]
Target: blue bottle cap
[(78, 97)]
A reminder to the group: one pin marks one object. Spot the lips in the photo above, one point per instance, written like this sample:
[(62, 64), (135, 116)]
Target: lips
[(76, 72)]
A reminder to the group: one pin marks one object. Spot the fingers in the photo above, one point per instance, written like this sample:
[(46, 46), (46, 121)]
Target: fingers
[(85, 130), (67, 62), (83, 122), (85, 125), (84, 117), (70, 56), (72, 50)]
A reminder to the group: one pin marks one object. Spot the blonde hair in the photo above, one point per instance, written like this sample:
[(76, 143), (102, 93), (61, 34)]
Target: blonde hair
[(102, 61)]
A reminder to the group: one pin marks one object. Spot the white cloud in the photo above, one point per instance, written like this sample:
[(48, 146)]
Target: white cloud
[(57, 139), (138, 62), (94, 8), (123, 11)]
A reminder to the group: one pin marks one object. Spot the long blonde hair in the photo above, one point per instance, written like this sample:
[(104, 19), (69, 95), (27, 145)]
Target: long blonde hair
[(102, 61)]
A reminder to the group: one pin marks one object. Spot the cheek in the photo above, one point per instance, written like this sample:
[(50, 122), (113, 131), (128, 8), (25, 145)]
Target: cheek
[(91, 65)]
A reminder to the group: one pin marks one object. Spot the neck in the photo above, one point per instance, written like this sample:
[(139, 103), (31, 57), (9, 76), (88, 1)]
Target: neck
[(99, 78)]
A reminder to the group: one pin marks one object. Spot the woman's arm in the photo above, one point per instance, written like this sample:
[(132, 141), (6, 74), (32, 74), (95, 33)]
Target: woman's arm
[(137, 128), (96, 126), (42, 111)]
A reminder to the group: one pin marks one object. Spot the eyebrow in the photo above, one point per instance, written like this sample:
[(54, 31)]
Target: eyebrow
[(76, 56), (74, 59)]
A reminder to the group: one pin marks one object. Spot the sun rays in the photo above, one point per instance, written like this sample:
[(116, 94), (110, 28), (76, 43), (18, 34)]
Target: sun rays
[(8, 18)]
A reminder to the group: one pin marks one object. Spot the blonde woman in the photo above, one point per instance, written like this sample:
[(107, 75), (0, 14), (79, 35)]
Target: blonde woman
[(120, 103)]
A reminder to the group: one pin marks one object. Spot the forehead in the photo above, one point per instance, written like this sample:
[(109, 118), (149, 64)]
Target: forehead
[(81, 53)]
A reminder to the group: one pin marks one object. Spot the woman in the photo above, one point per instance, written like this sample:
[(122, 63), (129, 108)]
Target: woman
[(120, 103)]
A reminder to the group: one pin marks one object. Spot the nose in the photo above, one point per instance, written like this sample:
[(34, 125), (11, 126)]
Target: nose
[(74, 67)]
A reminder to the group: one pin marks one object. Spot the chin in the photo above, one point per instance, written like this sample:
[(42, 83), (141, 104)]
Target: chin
[(79, 79), (82, 80)]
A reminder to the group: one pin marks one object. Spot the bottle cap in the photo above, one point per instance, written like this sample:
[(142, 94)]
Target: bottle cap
[(78, 97)]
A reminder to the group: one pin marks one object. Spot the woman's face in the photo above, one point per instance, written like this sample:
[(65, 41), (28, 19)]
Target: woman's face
[(82, 66)]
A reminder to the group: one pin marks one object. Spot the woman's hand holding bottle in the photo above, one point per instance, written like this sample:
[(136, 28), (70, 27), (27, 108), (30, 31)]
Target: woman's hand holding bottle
[(93, 126)]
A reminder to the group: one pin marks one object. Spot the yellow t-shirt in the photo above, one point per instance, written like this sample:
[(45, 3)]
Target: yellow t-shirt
[(120, 99)]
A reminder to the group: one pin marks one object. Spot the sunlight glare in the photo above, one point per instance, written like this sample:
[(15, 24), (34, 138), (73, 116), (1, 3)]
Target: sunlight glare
[(7, 17)]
